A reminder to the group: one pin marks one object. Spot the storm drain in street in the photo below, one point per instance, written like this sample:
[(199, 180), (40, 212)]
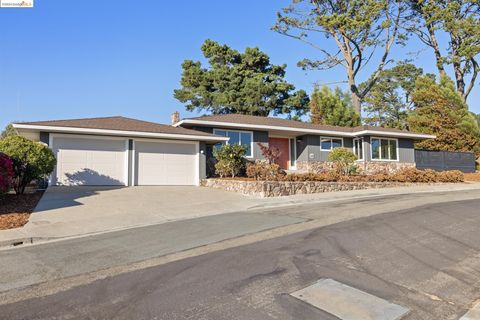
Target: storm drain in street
[(348, 303)]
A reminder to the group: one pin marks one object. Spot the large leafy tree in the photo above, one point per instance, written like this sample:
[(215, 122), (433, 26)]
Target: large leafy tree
[(389, 101), (333, 108), (451, 28), (235, 82), (355, 28), (440, 110)]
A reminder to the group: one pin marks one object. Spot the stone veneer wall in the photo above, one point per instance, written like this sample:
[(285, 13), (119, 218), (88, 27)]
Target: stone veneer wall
[(286, 188), (364, 167)]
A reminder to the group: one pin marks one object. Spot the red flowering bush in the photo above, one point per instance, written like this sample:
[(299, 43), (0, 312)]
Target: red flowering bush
[(6, 173)]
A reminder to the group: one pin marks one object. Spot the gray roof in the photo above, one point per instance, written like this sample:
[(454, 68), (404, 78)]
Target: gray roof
[(279, 122)]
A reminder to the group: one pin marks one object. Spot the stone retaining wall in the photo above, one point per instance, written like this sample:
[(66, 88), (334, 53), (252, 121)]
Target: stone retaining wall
[(363, 167), (265, 189)]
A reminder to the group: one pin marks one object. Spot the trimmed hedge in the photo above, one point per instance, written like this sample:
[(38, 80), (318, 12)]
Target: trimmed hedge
[(412, 175)]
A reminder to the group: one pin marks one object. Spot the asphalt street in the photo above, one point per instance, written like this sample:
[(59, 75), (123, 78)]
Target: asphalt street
[(425, 258)]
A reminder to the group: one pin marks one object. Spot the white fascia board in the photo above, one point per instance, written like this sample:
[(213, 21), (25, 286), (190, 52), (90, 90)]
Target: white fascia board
[(118, 132), (261, 127), (395, 134), (303, 130)]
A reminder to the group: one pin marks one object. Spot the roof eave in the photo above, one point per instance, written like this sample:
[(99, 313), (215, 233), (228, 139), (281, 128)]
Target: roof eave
[(410, 135), (140, 134)]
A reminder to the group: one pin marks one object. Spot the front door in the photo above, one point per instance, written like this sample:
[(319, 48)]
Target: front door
[(283, 145)]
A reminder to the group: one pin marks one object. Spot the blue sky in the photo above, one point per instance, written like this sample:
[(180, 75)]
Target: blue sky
[(74, 59)]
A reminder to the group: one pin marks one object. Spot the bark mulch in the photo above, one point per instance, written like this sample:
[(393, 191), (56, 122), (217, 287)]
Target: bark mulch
[(472, 177), (15, 209)]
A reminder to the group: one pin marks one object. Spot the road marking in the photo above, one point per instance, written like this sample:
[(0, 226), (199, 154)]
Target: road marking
[(472, 314), (348, 303)]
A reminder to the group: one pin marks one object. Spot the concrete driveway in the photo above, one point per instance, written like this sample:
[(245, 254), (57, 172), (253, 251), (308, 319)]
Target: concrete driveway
[(79, 211), (70, 211)]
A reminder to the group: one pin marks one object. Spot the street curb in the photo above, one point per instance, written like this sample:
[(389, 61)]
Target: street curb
[(25, 240)]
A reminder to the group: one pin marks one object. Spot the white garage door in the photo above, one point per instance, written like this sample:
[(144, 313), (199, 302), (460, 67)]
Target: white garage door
[(165, 163), (90, 161)]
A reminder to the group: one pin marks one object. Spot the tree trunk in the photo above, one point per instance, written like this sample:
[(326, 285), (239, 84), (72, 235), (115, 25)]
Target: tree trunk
[(459, 80), (357, 105), (356, 101), (436, 50)]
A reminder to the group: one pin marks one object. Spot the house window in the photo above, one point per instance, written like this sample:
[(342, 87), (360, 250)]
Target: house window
[(384, 149), (358, 148), (237, 137), (327, 144)]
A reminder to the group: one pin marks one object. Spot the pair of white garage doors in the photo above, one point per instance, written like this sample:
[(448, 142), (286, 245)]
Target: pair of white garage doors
[(108, 161)]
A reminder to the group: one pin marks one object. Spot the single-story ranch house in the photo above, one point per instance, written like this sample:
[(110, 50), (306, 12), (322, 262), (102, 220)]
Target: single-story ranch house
[(123, 151)]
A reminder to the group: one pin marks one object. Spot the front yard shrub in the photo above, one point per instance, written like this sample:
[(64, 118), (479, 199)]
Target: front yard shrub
[(31, 160), (343, 161), (6, 173), (230, 160), (410, 175), (264, 171), (271, 154)]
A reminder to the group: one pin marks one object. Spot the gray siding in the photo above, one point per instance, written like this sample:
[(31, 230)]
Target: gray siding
[(309, 148), (45, 137), (258, 136), (130, 162), (203, 160), (406, 150)]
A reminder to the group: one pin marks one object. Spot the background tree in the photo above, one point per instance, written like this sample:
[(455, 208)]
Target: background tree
[(8, 131), (333, 108), (459, 20), (440, 110), (478, 119), (357, 28), (235, 82), (389, 102)]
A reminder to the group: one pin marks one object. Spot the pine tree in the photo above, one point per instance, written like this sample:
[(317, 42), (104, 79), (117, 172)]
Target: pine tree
[(332, 108), (440, 110)]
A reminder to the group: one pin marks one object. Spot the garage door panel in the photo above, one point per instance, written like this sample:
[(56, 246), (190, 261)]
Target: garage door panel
[(165, 163), (90, 161)]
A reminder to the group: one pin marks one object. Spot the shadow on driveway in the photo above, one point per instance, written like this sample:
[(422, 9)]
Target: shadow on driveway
[(64, 197)]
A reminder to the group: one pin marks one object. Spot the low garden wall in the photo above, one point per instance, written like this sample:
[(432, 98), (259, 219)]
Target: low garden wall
[(266, 189)]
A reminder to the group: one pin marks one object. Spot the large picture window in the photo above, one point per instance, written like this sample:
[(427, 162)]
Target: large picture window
[(384, 149), (237, 137), (327, 144)]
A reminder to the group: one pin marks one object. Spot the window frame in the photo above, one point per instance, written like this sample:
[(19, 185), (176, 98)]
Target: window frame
[(330, 138), (240, 138), (380, 149), (361, 141)]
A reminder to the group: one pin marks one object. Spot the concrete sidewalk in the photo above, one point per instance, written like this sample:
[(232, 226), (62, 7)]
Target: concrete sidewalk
[(80, 211)]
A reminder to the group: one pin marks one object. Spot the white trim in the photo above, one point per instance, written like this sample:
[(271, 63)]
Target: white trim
[(118, 132), (197, 167), (52, 137), (239, 131), (127, 161), (380, 150), (362, 140), (315, 131), (54, 172), (331, 138), (134, 163), (197, 157), (294, 140)]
